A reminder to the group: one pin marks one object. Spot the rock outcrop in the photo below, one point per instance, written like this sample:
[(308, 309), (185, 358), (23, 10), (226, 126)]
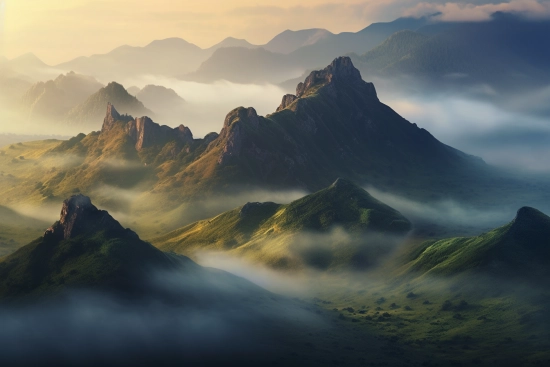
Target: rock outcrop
[(340, 71), (111, 117), (79, 216), (144, 132), (234, 129)]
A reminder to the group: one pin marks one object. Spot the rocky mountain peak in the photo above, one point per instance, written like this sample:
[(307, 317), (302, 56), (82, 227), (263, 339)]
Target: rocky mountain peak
[(111, 116), (80, 216), (340, 70), (248, 115), (144, 131)]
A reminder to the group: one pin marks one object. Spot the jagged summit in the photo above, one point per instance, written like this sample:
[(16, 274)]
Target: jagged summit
[(335, 124), (111, 116), (143, 131), (340, 72), (79, 216)]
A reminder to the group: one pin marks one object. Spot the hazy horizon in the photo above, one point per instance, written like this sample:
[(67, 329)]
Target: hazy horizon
[(57, 31)]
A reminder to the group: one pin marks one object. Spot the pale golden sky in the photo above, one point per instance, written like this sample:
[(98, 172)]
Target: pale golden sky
[(58, 30)]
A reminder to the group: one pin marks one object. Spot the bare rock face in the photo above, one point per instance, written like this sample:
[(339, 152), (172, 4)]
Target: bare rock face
[(110, 118), (79, 216), (145, 132), (232, 134), (341, 70), (287, 101)]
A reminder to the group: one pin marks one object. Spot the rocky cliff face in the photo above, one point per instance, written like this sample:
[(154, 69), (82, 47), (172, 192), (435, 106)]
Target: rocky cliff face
[(144, 132), (111, 117), (231, 136)]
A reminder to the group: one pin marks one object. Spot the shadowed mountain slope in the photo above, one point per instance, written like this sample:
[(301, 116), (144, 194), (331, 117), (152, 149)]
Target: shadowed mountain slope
[(335, 126)]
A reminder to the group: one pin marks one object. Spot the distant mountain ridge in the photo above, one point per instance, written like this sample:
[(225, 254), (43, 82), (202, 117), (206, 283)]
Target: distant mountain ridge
[(292, 52), (54, 99), (506, 52)]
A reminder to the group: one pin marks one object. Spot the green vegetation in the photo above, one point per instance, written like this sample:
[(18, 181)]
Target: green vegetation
[(518, 250), (96, 253), (278, 234)]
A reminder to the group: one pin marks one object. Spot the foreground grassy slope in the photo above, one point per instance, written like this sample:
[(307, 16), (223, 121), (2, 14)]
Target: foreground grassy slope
[(462, 301), (278, 235)]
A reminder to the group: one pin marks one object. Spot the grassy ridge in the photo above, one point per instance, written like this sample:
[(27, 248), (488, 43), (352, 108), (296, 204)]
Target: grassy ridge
[(274, 234)]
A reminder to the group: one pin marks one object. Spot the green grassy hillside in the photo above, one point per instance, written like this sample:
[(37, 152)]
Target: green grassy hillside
[(517, 250), (278, 235), (85, 248)]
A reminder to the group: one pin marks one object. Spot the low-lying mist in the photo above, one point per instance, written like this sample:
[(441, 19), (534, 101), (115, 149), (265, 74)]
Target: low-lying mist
[(182, 320), (204, 110), (447, 213), (208, 104), (510, 131)]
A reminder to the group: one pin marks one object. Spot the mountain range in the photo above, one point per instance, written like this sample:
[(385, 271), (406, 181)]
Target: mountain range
[(454, 52), (494, 52), (335, 126), (176, 57)]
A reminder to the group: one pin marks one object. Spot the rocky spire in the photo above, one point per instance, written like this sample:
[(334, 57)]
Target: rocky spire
[(80, 216), (110, 117)]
